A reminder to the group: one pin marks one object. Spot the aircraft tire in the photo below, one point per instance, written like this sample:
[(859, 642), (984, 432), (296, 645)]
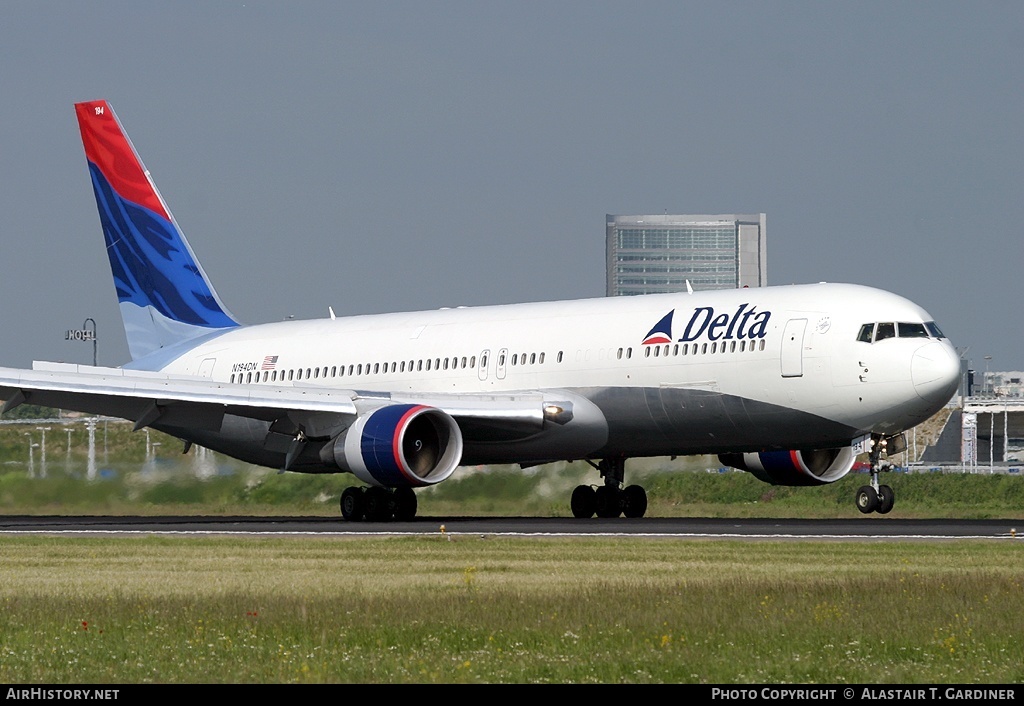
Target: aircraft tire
[(583, 502), (867, 499), (377, 503), (634, 501), (352, 506), (886, 499), (607, 502), (405, 504)]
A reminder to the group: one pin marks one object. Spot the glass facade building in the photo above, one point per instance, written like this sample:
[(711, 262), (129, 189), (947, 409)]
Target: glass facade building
[(655, 254)]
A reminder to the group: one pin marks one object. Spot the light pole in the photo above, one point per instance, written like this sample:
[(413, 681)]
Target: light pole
[(95, 338), (31, 457), (67, 456), (42, 451), (988, 384), (90, 470)]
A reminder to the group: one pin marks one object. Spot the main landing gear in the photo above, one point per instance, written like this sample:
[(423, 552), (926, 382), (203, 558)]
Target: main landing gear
[(610, 499), (875, 497), (375, 504)]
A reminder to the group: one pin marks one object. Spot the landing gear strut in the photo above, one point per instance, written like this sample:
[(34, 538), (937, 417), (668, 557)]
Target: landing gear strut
[(875, 497), (378, 504), (610, 499)]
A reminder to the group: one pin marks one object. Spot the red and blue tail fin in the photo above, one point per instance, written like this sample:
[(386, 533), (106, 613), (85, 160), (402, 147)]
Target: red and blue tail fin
[(164, 295)]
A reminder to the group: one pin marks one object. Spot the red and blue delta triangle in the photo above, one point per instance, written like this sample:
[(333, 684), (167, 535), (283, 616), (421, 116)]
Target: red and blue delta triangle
[(662, 331)]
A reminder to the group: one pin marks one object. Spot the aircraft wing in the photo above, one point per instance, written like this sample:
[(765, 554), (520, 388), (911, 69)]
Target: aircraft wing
[(146, 397)]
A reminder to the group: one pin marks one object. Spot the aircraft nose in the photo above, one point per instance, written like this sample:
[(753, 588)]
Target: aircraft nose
[(935, 371)]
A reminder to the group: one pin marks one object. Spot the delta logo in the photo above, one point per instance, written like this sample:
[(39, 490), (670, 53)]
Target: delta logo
[(745, 322)]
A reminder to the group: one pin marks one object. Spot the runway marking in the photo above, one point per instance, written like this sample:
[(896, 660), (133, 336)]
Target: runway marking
[(485, 535)]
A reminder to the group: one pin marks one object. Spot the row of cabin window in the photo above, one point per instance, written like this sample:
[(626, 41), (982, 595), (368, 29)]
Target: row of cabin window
[(384, 368), (464, 362), (521, 359), (675, 349), (356, 369)]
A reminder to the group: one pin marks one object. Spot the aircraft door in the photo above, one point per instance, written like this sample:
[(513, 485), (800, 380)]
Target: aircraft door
[(793, 348), (481, 371), (206, 368)]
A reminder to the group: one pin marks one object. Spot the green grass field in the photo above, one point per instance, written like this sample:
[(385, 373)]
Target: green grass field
[(470, 609)]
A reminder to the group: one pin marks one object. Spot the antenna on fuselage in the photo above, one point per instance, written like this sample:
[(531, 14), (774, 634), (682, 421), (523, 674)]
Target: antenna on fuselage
[(689, 288)]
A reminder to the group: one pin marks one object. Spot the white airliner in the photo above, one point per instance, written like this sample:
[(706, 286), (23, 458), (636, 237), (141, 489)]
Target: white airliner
[(788, 383)]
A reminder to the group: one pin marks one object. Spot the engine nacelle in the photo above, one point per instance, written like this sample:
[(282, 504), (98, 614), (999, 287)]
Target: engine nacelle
[(401, 445), (807, 467)]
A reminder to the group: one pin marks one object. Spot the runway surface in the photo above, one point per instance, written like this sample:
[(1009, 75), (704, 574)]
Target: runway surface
[(868, 528)]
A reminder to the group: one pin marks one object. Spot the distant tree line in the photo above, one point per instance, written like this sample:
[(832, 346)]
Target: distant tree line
[(32, 411)]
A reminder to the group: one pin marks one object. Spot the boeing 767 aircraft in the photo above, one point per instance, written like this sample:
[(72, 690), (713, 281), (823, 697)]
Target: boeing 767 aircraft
[(789, 383)]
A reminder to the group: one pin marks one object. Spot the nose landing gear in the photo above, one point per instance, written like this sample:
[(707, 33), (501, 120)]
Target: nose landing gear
[(875, 497)]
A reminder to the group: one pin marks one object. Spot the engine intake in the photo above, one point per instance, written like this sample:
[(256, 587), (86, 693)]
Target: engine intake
[(805, 467), (402, 445)]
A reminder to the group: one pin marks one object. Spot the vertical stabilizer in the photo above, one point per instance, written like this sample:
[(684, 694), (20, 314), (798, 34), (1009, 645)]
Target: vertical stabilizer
[(164, 295)]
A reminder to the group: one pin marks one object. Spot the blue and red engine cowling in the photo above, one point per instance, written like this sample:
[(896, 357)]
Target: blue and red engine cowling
[(804, 467), (400, 445)]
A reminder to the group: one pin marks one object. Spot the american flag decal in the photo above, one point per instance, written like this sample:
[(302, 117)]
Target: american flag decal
[(269, 363)]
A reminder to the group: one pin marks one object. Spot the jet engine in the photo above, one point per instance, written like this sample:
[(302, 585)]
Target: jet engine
[(805, 467), (401, 445)]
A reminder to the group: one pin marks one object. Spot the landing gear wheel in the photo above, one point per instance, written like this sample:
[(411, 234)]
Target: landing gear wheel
[(867, 499), (886, 499), (607, 501), (610, 499), (583, 502), (377, 504), (352, 506), (405, 504), (634, 501)]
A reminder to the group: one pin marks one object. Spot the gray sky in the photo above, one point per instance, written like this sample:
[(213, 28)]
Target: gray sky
[(388, 156)]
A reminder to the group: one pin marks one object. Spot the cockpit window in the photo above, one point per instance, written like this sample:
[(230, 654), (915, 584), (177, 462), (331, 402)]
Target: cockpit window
[(908, 330), (885, 330), (904, 329)]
